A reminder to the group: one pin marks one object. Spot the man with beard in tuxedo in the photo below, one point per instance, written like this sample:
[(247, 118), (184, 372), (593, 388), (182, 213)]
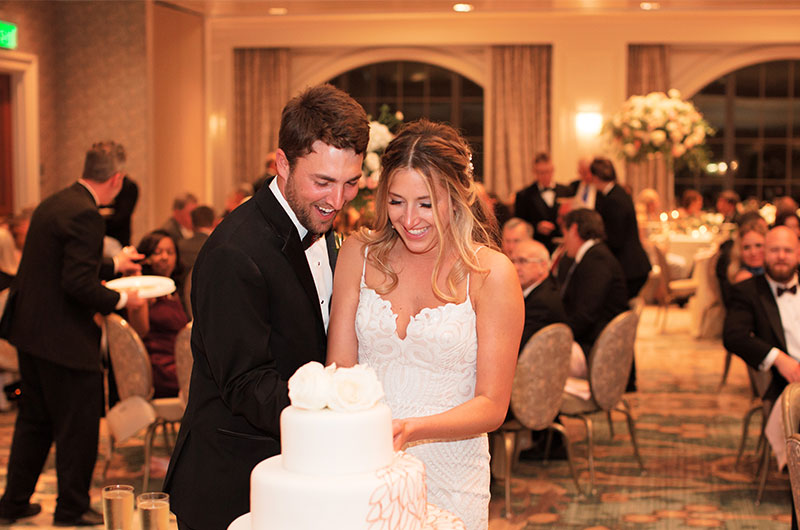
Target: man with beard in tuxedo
[(761, 325)]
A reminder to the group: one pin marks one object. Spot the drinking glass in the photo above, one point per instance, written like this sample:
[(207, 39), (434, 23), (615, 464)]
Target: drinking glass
[(118, 507), (154, 510)]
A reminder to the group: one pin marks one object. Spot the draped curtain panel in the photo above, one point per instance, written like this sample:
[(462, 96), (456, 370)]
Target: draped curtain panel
[(261, 89), (648, 71), (521, 77)]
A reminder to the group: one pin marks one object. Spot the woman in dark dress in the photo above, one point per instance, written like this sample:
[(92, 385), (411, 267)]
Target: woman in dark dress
[(159, 321)]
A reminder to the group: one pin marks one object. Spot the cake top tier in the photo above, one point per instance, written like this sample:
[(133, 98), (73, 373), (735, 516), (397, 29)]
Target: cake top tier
[(315, 387)]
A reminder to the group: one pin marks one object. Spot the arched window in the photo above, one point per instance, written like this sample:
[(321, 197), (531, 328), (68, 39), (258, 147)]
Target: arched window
[(756, 150), (420, 90)]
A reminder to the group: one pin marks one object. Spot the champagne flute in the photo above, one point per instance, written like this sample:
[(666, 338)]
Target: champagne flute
[(154, 510), (118, 507)]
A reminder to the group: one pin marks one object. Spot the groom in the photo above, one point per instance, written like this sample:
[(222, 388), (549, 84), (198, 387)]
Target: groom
[(260, 294)]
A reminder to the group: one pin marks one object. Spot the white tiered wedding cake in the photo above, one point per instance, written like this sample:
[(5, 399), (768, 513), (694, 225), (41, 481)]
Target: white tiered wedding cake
[(337, 469)]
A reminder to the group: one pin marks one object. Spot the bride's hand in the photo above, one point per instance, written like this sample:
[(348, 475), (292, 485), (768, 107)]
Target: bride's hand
[(400, 433)]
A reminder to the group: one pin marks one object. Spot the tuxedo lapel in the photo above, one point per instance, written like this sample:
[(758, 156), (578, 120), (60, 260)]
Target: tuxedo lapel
[(771, 310), (292, 246), (333, 248)]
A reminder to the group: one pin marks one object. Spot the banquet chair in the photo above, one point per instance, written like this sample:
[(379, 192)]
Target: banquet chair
[(184, 361), (668, 290), (793, 457), (537, 392), (134, 377), (791, 429), (759, 382), (609, 365)]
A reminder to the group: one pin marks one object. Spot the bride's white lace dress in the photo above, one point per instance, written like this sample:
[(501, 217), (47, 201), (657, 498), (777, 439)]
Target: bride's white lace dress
[(430, 370)]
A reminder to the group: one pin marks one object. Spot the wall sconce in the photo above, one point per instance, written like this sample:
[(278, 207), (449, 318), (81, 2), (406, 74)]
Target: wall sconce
[(588, 124)]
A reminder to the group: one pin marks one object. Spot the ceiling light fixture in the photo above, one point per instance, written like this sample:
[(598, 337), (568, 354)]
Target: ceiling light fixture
[(649, 6), (463, 8), (277, 11)]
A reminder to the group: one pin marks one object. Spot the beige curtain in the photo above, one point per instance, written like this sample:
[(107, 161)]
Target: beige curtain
[(520, 115), (648, 71), (261, 89)]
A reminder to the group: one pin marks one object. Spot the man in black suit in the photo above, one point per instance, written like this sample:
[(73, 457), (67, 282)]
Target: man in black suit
[(593, 288), (50, 319), (615, 206), (260, 299), (538, 203), (761, 325), (542, 300)]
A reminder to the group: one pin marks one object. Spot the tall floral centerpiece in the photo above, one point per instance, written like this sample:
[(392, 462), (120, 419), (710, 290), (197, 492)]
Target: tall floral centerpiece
[(381, 132), (655, 134), (660, 123)]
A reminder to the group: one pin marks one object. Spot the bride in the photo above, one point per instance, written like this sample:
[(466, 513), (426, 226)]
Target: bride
[(426, 301)]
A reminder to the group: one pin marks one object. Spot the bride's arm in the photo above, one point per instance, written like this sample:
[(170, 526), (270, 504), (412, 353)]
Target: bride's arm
[(500, 310), (342, 341)]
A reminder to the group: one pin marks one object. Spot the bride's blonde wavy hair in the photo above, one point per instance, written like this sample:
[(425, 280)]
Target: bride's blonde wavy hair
[(440, 154)]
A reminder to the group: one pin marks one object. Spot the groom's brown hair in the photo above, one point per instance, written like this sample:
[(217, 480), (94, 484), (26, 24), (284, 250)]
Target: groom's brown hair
[(323, 113)]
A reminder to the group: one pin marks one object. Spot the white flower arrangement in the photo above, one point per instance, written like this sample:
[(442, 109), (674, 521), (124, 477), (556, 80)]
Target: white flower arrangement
[(314, 387), (659, 123), (380, 134)]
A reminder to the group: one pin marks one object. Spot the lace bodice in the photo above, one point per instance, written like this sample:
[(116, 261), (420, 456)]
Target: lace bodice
[(430, 370)]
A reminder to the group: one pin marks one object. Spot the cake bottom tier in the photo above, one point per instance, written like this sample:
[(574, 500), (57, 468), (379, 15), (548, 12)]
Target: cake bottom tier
[(391, 497), (435, 520)]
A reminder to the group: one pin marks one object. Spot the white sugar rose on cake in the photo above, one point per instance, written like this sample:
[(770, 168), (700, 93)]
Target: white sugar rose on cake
[(337, 469)]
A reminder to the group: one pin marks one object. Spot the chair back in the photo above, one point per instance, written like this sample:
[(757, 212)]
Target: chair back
[(132, 370), (662, 286), (542, 370), (184, 361), (793, 457), (610, 360), (791, 409)]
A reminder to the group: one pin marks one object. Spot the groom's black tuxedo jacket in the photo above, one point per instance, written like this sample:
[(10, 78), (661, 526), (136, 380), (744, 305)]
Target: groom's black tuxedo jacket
[(257, 320), (753, 327)]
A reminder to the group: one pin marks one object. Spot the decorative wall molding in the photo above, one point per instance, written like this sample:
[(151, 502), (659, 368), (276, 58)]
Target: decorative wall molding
[(24, 71)]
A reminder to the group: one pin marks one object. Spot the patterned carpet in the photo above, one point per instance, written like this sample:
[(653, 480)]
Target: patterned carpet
[(688, 433)]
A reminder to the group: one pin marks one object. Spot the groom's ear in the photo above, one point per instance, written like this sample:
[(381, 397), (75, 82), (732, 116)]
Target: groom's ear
[(282, 164)]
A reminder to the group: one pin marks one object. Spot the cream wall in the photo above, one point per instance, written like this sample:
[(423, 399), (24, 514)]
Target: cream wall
[(178, 103), (589, 57), (92, 85)]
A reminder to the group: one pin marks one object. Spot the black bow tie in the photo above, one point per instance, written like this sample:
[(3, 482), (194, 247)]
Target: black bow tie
[(548, 189), (310, 239), (792, 290)]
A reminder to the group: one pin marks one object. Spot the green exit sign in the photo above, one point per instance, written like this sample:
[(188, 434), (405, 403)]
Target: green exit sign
[(8, 35)]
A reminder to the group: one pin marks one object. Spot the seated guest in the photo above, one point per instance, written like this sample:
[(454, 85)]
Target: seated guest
[(788, 219), (728, 206), (515, 231), (159, 320), (179, 225), (542, 300), (203, 220), (542, 307), (615, 206), (648, 205), (761, 324), (785, 204), (593, 288), (747, 253), (725, 250), (691, 203)]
